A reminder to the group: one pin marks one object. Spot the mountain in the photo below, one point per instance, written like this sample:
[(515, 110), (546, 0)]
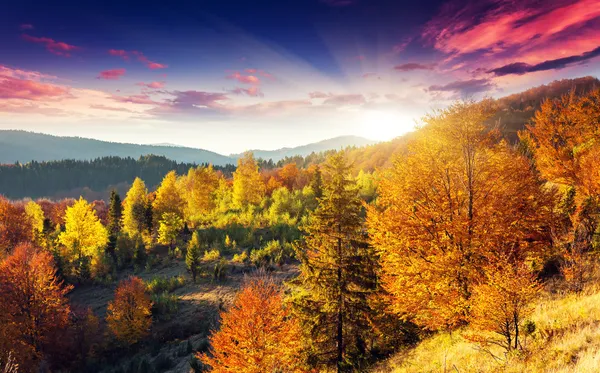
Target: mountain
[(304, 150), (25, 146)]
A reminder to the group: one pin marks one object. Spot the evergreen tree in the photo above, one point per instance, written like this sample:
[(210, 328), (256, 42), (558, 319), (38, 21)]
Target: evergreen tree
[(115, 213), (193, 256), (337, 275), (317, 182)]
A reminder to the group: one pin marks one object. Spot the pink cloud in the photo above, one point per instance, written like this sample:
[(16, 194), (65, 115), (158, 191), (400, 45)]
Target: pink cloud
[(251, 71), (30, 108), (400, 47), (135, 99), (22, 74), (370, 75), (11, 87), (56, 47), (246, 79), (413, 66), (275, 107), (26, 26), (318, 94), (346, 100), (251, 91), (507, 32), (126, 55), (153, 85), (110, 108), (113, 74)]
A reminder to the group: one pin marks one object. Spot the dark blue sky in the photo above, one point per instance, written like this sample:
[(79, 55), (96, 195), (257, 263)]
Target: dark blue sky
[(274, 73)]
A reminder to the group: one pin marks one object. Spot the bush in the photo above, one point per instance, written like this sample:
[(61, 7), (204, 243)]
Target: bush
[(164, 305), (211, 256), (220, 270), (240, 258), (272, 253), (163, 284)]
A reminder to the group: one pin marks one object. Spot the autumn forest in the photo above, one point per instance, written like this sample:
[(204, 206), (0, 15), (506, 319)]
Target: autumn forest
[(326, 263)]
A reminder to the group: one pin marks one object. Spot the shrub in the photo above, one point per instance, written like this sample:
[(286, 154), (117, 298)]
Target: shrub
[(240, 258), (163, 284), (211, 256), (220, 270), (164, 305)]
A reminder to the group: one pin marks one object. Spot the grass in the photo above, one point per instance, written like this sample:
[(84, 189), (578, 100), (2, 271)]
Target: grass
[(566, 340)]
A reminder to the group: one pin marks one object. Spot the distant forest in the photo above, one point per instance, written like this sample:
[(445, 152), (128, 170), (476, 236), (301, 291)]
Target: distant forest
[(91, 179)]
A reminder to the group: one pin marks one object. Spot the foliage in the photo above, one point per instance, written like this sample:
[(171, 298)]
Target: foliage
[(248, 187), (13, 226), (35, 218), (170, 227), (164, 305), (193, 255), (459, 197), (168, 200), (129, 313), (198, 189), (84, 238), (34, 310), (256, 333), (337, 275), (159, 284), (134, 208)]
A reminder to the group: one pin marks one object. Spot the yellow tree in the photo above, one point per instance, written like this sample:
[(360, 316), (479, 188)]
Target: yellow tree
[(134, 208), (456, 197), (84, 237), (198, 190), (502, 303), (170, 227), (34, 309), (257, 334), (129, 314), (168, 199), (35, 216), (248, 186)]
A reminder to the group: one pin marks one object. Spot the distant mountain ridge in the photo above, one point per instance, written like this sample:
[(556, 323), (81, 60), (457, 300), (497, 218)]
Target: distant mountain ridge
[(23, 146), (335, 143)]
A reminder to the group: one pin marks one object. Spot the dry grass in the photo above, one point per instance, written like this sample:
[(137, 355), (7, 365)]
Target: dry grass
[(566, 340)]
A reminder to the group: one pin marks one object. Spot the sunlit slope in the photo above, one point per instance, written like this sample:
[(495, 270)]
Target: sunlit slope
[(566, 339)]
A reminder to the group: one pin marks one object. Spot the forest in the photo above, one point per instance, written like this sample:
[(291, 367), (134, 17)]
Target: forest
[(343, 261)]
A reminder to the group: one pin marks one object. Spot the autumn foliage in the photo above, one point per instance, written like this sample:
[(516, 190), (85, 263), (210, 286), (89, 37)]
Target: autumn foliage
[(129, 313), (257, 334), (34, 310)]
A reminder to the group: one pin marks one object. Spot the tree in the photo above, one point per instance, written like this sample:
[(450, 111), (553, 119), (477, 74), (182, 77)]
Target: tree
[(129, 313), (288, 174), (458, 196), (257, 333), (34, 308), (134, 208), (170, 227), (14, 226), (198, 190), (35, 218), (168, 198), (248, 186), (115, 213), (316, 182), (84, 238), (193, 257), (502, 303), (337, 274)]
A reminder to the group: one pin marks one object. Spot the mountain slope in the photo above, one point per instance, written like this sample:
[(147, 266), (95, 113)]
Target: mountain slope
[(25, 146), (304, 150)]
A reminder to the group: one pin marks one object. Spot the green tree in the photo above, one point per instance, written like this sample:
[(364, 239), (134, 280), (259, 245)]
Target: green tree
[(316, 182), (248, 186), (134, 208), (193, 257), (337, 274), (115, 214), (170, 226)]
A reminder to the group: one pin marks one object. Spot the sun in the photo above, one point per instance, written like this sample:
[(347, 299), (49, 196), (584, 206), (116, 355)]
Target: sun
[(385, 125)]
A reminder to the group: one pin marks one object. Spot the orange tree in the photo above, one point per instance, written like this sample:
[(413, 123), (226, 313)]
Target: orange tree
[(458, 196), (34, 310), (257, 334), (129, 313)]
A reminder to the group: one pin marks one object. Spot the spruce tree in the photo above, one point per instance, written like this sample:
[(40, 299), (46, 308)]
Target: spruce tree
[(193, 255), (337, 274), (317, 182), (115, 213)]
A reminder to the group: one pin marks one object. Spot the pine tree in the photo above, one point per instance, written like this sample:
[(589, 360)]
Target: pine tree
[(115, 213), (193, 256), (317, 182), (337, 274)]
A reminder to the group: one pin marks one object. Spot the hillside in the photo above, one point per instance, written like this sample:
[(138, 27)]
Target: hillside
[(335, 143), (566, 339), (25, 146)]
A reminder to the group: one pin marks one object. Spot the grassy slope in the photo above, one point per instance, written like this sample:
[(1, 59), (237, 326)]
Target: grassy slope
[(567, 339)]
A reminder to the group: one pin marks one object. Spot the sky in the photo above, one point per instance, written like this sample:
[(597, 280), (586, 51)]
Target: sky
[(228, 75)]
